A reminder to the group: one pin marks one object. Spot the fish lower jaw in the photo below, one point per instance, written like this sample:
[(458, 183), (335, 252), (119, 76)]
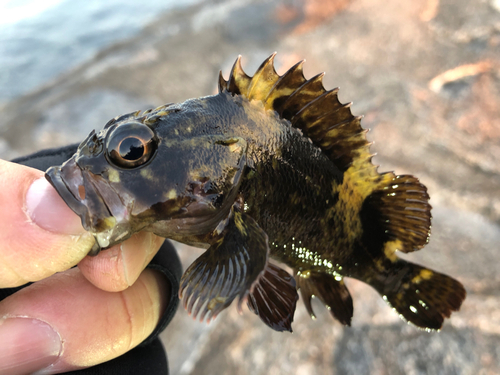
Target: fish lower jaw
[(108, 238)]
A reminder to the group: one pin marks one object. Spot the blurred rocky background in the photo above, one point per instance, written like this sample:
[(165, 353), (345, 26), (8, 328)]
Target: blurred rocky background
[(426, 75)]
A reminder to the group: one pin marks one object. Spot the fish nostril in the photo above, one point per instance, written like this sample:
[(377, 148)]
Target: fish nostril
[(81, 192)]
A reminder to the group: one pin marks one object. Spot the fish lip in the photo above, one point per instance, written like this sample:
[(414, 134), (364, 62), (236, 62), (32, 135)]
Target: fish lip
[(55, 178), (67, 180)]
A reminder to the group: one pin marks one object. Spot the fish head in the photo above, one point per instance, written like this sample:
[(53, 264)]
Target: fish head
[(132, 176)]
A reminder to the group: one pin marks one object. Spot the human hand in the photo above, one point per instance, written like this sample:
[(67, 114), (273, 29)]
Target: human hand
[(69, 318)]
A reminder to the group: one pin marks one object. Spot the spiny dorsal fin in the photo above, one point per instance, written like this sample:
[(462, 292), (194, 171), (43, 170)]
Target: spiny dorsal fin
[(309, 107), (399, 203)]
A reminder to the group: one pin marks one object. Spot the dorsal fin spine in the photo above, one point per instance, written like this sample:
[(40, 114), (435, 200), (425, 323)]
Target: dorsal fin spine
[(222, 83), (297, 69), (320, 98), (303, 94), (314, 110), (314, 80), (264, 79), (238, 80)]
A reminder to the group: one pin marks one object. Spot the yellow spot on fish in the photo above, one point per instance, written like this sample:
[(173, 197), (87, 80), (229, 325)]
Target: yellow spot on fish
[(390, 248), (147, 174), (172, 194), (423, 275), (113, 175), (426, 274), (110, 222)]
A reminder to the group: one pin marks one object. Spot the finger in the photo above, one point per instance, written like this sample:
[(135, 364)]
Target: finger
[(40, 235), (65, 323), (118, 267)]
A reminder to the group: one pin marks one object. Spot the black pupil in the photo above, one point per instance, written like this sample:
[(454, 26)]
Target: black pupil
[(131, 148)]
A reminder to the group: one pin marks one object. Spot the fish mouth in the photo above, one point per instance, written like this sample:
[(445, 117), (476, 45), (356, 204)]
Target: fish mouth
[(94, 201), (69, 191)]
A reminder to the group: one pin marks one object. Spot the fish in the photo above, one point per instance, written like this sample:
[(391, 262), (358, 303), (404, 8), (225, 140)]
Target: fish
[(271, 170)]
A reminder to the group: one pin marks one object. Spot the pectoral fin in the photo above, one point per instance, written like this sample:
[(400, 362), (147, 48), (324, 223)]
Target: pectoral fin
[(274, 298), (228, 269)]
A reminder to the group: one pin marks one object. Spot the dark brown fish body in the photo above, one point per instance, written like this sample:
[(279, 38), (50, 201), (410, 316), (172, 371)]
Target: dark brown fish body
[(272, 166)]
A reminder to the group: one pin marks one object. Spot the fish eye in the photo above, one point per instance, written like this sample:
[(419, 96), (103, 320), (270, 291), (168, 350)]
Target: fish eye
[(130, 145)]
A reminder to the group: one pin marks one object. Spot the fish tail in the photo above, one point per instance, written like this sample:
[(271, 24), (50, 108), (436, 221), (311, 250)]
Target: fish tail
[(421, 296), (396, 216)]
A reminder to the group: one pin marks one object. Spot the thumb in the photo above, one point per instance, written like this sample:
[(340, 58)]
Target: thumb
[(40, 235)]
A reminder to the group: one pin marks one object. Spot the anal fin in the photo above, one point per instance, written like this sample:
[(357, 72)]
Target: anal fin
[(227, 269), (332, 292), (274, 298)]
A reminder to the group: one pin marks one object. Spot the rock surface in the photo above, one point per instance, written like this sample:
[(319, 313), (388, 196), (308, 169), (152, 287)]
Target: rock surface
[(426, 74)]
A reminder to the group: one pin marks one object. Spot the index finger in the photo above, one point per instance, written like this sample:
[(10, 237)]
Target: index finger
[(39, 234)]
